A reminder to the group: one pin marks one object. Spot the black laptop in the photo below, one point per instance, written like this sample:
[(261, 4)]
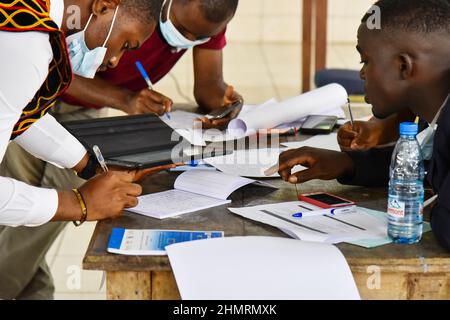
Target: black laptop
[(135, 142)]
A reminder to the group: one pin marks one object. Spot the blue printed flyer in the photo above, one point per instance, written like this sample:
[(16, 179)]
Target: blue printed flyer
[(152, 242)]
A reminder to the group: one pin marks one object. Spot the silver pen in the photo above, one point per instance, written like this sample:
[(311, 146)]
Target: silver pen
[(100, 158), (352, 120)]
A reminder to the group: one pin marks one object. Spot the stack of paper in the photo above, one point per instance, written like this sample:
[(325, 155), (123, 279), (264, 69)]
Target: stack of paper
[(329, 229), (260, 268), (324, 100), (366, 228), (271, 114)]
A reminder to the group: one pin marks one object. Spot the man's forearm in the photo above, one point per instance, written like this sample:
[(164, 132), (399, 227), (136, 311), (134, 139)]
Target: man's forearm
[(82, 164), (371, 167), (99, 92), (210, 97), (69, 208)]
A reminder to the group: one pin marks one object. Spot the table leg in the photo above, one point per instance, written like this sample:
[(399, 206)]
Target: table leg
[(150, 285), (164, 286), (123, 285), (404, 286)]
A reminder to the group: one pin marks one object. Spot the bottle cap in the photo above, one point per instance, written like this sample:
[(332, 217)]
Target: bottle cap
[(409, 129)]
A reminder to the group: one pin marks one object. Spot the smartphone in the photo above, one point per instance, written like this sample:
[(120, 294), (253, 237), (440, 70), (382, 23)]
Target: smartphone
[(221, 113), (318, 124), (325, 200)]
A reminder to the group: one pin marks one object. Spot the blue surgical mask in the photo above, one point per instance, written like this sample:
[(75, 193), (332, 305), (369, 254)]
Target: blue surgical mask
[(174, 37), (85, 62)]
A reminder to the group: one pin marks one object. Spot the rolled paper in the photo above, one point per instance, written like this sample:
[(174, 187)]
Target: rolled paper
[(270, 115)]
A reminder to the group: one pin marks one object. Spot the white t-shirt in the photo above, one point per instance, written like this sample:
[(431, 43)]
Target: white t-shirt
[(24, 64)]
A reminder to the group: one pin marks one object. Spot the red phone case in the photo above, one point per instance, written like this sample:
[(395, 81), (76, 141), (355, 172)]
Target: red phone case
[(305, 198)]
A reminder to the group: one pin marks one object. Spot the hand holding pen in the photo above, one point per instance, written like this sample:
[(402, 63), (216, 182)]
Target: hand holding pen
[(352, 120), (358, 135), (148, 100), (107, 195)]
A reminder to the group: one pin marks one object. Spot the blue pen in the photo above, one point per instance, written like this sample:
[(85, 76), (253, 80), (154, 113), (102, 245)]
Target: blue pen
[(194, 163), (147, 79), (331, 211)]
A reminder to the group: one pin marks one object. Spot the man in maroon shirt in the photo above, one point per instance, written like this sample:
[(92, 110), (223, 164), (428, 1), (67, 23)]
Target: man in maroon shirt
[(197, 24), (202, 24)]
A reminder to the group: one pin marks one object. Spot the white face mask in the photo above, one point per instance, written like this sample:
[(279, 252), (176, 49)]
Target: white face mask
[(426, 141), (174, 37), (85, 62), (426, 137)]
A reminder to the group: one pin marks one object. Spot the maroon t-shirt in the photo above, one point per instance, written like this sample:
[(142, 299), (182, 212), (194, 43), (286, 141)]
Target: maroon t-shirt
[(157, 57)]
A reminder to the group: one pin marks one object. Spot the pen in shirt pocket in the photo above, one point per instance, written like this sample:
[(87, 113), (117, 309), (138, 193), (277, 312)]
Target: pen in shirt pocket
[(147, 79)]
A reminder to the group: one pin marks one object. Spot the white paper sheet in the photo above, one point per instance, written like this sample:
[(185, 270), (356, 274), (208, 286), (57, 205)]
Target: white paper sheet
[(249, 163), (320, 101), (260, 268), (326, 141), (173, 203), (335, 229), (184, 124)]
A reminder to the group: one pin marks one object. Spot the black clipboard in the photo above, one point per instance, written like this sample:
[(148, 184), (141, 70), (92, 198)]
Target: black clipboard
[(133, 142)]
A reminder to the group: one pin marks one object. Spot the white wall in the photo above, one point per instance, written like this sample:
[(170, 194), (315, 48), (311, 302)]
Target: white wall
[(279, 21)]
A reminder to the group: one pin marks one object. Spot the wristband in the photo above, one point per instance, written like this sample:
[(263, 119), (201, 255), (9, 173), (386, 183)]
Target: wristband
[(90, 170)]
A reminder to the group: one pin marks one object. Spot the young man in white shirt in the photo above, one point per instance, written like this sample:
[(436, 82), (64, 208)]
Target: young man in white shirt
[(35, 71)]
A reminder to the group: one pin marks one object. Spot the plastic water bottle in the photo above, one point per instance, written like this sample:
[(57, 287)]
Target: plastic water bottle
[(406, 191)]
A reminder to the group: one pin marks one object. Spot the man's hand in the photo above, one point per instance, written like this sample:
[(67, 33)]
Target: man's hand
[(147, 101), (108, 194), (322, 164), (142, 173), (368, 134), (230, 97)]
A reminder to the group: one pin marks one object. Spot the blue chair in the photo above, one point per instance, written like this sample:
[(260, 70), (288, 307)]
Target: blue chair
[(349, 79)]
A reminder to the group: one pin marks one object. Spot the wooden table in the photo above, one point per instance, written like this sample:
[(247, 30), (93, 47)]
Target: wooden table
[(389, 272), (314, 31)]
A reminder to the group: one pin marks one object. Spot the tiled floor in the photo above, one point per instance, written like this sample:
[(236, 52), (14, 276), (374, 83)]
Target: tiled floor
[(65, 258), (259, 72)]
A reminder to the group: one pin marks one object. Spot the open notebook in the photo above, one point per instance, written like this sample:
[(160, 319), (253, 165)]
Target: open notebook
[(193, 191)]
